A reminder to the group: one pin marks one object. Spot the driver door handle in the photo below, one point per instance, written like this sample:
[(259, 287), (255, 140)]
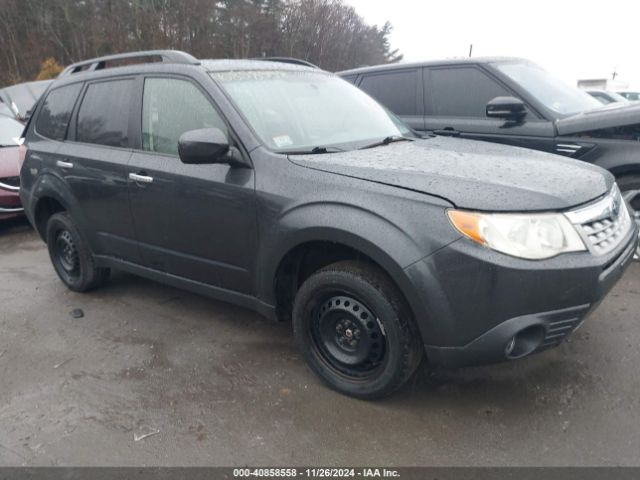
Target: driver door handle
[(62, 164), (447, 132), (140, 178)]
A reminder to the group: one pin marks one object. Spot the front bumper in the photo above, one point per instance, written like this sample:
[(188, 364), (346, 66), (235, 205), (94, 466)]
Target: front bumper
[(485, 307), (10, 206)]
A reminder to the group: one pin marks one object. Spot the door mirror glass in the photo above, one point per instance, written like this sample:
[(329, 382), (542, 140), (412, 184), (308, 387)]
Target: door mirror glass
[(507, 108), (206, 145)]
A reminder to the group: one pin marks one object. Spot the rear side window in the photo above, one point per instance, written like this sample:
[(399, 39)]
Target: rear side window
[(171, 107), (396, 90), (462, 92), (53, 119), (103, 117)]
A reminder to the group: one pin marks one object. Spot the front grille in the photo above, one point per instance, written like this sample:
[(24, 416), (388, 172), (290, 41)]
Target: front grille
[(603, 224), (10, 183)]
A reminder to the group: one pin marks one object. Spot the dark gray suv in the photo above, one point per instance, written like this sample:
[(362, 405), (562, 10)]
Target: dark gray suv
[(287, 190)]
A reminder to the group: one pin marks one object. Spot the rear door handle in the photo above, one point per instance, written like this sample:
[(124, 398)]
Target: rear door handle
[(62, 164), (140, 178)]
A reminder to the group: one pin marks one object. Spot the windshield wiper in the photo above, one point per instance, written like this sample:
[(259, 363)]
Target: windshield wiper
[(314, 151), (387, 141)]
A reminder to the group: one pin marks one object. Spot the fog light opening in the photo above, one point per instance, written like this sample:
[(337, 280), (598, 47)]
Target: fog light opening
[(525, 342)]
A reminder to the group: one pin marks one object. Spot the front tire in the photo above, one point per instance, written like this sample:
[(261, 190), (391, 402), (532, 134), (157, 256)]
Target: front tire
[(355, 330), (70, 255)]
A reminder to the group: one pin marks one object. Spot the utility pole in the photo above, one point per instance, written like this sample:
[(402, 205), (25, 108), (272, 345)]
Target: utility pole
[(615, 73), (470, 50)]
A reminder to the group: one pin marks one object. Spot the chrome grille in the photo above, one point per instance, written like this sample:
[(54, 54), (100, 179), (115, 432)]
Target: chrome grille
[(10, 183), (603, 224)]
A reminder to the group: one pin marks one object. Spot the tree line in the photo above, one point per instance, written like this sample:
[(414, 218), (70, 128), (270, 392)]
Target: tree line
[(328, 33)]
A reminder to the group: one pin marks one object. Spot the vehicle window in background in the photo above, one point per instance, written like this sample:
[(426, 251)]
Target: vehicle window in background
[(103, 117), (9, 130), (461, 92), (631, 96), (552, 92), (298, 110), (56, 111), (396, 90), (171, 107)]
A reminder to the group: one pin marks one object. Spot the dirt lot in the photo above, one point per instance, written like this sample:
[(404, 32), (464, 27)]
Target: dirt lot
[(222, 386)]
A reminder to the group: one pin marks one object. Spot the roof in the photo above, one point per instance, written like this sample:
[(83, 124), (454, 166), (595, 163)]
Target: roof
[(428, 63)]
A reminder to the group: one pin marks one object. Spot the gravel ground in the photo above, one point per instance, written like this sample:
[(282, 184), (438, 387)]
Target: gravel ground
[(219, 385)]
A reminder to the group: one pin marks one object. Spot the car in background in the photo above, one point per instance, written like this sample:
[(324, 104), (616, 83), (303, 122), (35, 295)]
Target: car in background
[(606, 97), (511, 101), (18, 100), (632, 96), (10, 130)]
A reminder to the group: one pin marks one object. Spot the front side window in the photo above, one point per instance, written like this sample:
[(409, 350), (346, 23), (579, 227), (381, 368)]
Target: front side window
[(550, 91), (396, 90), (171, 107), (103, 117), (295, 111), (53, 119), (462, 92)]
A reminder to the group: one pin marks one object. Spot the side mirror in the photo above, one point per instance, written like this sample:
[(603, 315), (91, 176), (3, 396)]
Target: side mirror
[(506, 108), (207, 145)]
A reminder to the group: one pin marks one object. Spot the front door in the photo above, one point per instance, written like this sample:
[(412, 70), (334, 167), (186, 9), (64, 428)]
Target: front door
[(193, 221)]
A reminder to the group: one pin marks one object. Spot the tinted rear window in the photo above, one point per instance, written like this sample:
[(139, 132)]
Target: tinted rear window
[(396, 90), (55, 113), (103, 117), (462, 92)]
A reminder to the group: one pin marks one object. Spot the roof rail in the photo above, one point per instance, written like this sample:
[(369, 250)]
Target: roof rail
[(167, 56), (293, 61)]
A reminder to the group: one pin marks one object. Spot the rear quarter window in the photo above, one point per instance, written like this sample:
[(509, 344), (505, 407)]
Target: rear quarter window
[(103, 118), (395, 90), (53, 119)]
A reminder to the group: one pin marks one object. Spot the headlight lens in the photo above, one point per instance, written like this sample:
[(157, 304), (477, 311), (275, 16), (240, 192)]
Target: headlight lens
[(533, 237)]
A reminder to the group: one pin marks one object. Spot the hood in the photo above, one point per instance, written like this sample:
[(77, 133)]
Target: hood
[(471, 174), (9, 162), (612, 115)]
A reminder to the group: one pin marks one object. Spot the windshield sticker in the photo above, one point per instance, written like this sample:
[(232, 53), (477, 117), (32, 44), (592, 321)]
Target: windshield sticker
[(283, 141)]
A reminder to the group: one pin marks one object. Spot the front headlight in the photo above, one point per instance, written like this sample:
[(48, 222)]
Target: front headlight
[(534, 237)]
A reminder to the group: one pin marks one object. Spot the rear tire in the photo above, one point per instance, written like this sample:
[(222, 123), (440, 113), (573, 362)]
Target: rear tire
[(355, 330), (70, 255)]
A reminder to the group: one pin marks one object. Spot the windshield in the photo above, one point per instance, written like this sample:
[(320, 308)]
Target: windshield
[(549, 90), (300, 110), (9, 130)]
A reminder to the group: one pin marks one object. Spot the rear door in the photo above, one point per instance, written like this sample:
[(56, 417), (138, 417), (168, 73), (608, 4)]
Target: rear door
[(195, 221), (94, 162), (455, 104), (400, 91)]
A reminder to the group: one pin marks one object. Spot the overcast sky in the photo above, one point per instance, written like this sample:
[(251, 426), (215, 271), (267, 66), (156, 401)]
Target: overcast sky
[(573, 39)]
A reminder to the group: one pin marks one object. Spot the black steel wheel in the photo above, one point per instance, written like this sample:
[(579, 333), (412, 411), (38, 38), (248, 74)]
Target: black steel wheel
[(348, 336), (355, 330), (70, 255)]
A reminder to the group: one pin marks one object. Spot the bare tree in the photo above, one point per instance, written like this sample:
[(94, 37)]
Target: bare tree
[(328, 33)]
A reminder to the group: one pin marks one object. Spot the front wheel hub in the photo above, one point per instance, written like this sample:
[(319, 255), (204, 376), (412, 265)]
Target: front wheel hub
[(348, 334)]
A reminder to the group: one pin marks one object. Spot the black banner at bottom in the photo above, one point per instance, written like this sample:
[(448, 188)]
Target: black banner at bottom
[(404, 473)]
